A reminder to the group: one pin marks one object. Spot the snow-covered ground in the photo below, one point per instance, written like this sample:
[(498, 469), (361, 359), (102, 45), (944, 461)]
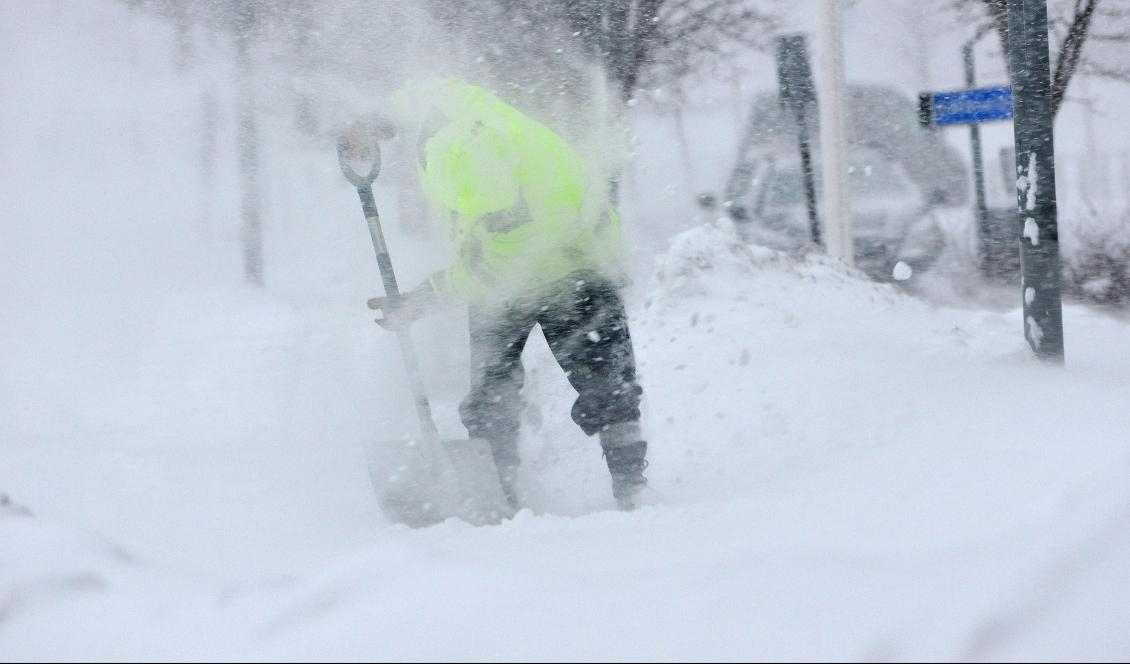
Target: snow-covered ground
[(843, 471)]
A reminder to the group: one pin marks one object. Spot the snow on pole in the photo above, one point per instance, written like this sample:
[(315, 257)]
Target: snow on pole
[(833, 139), (1035, 184)]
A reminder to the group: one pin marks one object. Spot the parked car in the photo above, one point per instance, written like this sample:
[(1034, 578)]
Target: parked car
[(899, 175)]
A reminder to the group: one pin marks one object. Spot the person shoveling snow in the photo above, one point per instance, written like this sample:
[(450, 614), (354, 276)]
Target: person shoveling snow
[(511, 195)]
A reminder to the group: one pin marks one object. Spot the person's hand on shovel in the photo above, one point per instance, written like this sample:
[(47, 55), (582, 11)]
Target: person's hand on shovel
[(400, 312)]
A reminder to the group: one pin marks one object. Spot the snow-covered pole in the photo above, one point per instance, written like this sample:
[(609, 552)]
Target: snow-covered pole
[(1035, 184), (833, 139)]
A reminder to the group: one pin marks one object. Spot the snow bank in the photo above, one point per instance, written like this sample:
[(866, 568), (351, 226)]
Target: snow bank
[(845, 472)]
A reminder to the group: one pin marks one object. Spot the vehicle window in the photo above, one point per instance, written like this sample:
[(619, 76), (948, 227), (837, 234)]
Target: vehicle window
[(785, 188), (875, 177), (867, 178)]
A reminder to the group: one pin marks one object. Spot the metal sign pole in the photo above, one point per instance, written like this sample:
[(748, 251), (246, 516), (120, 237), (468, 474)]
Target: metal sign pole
[(1035, 185), (978, 165), (797, 96)]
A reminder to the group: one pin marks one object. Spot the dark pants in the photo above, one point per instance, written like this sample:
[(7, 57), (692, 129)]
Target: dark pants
[(585, 325)]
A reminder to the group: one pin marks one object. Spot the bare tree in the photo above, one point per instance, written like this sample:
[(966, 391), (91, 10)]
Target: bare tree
[(251, 227), (636, 41), (242, 19), (1079, 29), (545, 52)]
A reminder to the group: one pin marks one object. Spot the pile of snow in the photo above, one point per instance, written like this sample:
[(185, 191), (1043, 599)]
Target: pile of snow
[(844, 472)]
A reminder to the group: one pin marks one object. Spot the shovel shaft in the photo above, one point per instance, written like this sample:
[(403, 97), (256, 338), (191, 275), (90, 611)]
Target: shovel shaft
[(392, 292), (423, 408), (388, 276), (426, 483)]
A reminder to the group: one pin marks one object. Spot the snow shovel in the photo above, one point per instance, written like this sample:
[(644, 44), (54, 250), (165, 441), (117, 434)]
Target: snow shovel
[(426, 479)]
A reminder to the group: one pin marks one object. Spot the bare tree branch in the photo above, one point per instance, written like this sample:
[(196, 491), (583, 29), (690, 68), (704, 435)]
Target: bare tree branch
[(657, 40), (1070, 50), (1072, 25)]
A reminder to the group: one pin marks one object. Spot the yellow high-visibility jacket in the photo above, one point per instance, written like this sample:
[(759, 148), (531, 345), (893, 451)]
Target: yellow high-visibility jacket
[(509, 192)]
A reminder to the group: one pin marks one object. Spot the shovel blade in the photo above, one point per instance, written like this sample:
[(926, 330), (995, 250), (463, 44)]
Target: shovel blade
[(421, 482)]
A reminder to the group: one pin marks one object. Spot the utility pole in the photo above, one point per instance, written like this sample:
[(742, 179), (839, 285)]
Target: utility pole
[(833, 137), (1035, 185)]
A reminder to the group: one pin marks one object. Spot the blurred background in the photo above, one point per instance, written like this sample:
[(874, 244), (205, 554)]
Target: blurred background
[(214, 115)]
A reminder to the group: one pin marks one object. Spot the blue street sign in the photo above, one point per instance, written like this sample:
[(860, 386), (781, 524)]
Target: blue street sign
[(969, 106)]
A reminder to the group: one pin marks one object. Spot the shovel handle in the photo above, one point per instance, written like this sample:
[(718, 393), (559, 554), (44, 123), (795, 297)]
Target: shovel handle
[(380, 248), (364, 186)]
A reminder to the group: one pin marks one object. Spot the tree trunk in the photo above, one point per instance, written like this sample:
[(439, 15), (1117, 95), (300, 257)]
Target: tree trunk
[(1070, 51), (209, 122), (251, 230)]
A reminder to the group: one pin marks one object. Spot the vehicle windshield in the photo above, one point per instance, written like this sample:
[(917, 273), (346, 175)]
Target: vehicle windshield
[(785, 188), (875, 177), (870, 178)]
